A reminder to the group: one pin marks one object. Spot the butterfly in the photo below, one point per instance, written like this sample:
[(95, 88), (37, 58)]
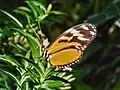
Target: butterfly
[(68, 48)]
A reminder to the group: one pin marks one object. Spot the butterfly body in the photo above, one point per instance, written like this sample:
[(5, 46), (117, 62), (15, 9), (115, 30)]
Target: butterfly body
[(68, 48)]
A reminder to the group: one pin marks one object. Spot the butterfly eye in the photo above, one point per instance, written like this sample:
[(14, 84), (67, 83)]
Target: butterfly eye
[(68, 48)]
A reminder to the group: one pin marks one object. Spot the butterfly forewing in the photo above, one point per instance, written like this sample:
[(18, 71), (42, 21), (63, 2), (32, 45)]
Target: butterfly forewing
[(69, 46)]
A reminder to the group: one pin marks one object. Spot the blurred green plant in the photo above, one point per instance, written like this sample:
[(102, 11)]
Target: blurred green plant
[(21, 52), (110, 12)]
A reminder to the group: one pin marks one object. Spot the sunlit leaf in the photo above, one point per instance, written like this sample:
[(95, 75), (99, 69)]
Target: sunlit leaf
[(57, 13), (40, 18), (49, 8), (52, 83)]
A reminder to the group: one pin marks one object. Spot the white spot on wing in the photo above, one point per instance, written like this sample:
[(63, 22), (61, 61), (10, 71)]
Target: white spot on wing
[(84, 27), (50, 56), (79, 35), (48, 59), (77, 47), (74, 31), (92, 33), (94, 28), (83, 39), (84, 46), (63, 37), (73, 63)]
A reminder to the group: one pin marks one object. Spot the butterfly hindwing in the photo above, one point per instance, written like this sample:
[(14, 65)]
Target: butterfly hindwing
[(69, 46)]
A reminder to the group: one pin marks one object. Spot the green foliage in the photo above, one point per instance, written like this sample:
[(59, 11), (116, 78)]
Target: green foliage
[(111, 11), (21, 39), (24, 63)]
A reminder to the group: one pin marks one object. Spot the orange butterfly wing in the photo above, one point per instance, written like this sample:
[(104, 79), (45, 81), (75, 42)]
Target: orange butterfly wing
[(69, 46)]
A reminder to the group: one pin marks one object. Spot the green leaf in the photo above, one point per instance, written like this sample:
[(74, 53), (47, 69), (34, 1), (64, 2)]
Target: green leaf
[(13, 77), (28, 54), (37, 68), (34, 47), (69, 78), (39, 11), (33, 43), (24, 14), (24, 79), (40, 18), (57, 12), (67, 88), (24, 9), (32, 8), (49, 72), (10, 60), (40, 5), (49, 8), (13, 18), (52, 83)]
